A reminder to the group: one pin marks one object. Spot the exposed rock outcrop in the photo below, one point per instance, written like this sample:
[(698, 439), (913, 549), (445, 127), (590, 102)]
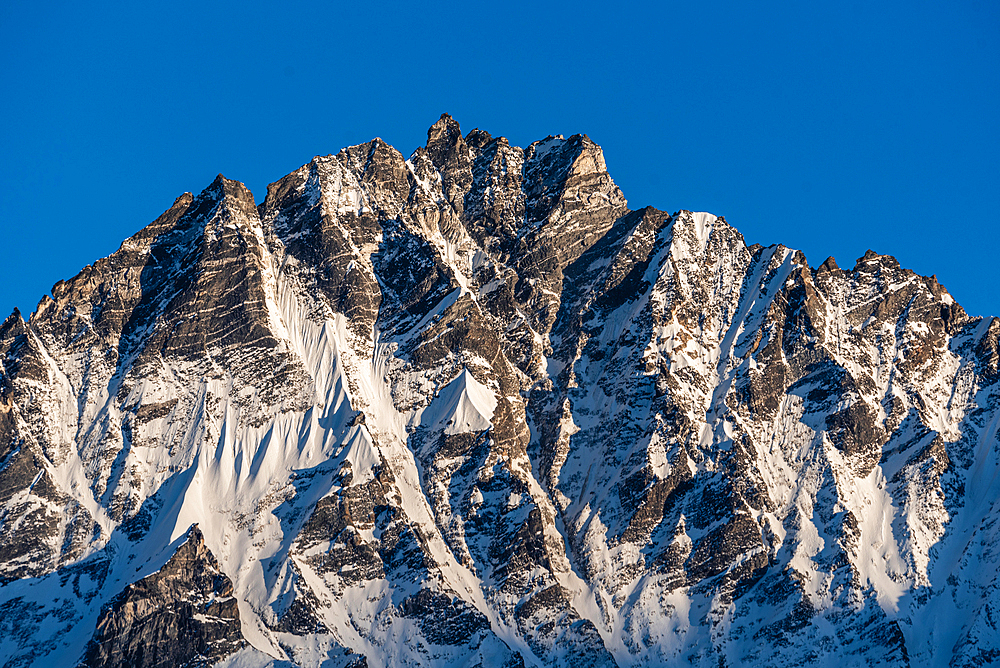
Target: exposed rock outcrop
[(185, 614)]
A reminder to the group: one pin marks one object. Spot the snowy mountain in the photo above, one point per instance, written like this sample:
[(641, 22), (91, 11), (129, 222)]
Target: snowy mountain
[(468, 409)]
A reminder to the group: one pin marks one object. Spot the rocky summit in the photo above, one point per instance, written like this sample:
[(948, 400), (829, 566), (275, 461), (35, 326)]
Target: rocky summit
[(467, 408)]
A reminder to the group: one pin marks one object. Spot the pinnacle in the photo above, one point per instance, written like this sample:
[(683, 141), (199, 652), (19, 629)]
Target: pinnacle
[(829, 265), (445, 129), (13, 323), (221, 188)]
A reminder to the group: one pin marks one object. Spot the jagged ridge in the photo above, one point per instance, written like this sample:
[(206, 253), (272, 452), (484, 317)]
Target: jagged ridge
[(468, 408)]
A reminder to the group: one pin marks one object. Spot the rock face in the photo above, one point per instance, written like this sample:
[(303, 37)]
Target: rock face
[(185, 614), (467, 408)]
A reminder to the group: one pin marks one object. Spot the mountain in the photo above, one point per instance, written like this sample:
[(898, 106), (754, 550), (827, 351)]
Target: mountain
[(469, 409)]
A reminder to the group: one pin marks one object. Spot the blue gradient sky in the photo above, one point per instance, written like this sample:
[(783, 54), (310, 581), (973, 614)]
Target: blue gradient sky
[(829, 127)]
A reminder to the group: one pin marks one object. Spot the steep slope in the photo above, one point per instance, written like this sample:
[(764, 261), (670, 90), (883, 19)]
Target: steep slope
[(182, 615), (468, 409)]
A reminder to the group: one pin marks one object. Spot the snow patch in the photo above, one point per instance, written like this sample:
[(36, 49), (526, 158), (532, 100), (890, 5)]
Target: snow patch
[(463, 406)]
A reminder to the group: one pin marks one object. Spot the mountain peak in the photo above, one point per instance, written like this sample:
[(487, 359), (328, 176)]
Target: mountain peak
[(469, 409), (445, 144), (13, 317), (222, 188)]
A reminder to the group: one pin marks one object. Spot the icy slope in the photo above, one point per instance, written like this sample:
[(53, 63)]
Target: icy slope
[(466, 408)]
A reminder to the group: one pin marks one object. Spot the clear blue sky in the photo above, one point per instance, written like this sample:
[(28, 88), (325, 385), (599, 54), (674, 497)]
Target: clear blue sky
[(830, 127)]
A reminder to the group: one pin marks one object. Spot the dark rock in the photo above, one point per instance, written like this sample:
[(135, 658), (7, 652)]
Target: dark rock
[(183, 615)]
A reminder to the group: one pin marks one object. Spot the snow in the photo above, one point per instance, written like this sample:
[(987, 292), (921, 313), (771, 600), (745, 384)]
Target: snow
[(463, 406), (251, 657), (703, 225), (546, 145)]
